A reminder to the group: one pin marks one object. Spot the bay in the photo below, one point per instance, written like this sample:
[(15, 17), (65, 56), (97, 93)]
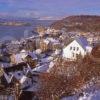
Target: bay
[(18, 32)]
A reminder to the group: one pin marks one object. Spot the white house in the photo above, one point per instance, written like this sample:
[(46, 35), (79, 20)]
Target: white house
[(79, 46)]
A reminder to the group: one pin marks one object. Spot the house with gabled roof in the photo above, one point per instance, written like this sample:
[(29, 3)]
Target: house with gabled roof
[(22, 56), (79, 46)]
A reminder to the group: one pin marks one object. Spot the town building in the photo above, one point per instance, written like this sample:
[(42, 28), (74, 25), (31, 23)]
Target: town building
[(79, 46)]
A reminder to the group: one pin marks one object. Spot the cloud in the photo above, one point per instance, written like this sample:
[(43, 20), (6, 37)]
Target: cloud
[(4, 14), (7, 2), (21, 14), (48, 9), (26, 13), (50, 18)]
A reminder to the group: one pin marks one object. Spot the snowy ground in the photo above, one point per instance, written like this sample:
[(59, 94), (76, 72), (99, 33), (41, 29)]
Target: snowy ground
[(88, 94)]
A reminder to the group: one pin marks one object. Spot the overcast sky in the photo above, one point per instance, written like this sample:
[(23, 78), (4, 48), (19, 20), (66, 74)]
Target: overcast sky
[(48, 9)]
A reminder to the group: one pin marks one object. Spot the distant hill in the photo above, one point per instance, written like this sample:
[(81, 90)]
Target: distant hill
[(84, 23)]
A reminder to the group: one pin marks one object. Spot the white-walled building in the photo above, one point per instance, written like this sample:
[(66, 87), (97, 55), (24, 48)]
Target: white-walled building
[(79, 46)]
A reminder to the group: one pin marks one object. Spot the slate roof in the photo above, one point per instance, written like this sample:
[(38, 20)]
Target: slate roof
[(82, 41)]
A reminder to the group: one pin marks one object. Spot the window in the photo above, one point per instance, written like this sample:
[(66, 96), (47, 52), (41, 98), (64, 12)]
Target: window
[(19, 74), (74, 48), (77, 48), (73, 54), (70, 48)]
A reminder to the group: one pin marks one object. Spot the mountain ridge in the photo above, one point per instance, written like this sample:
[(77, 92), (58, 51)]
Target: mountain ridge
[(84, 23)]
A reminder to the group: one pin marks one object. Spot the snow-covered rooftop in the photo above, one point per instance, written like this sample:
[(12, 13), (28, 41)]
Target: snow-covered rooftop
[(52, 40), (23, 79), (41, 68)]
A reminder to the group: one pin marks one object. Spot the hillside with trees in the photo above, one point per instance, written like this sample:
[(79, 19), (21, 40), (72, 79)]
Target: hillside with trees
[(84, 23), (66, 78)]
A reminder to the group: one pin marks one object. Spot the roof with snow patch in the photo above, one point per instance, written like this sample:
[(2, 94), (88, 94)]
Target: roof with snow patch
[(82, 41)]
